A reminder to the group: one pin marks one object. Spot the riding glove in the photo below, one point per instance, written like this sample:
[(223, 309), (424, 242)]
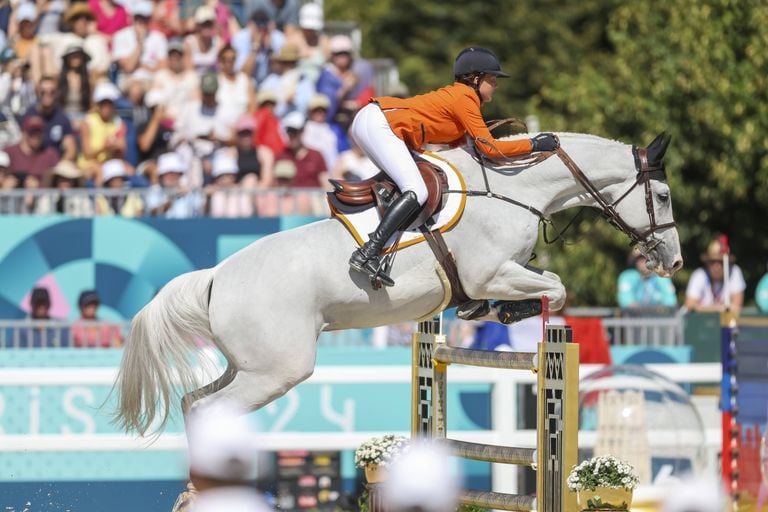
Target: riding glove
[(545, 142)]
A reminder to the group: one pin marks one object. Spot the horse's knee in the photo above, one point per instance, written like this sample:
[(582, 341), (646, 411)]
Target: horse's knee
[(552, 276), (557, 297)]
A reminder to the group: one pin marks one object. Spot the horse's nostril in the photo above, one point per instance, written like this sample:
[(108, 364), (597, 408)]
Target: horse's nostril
[(677, 265)]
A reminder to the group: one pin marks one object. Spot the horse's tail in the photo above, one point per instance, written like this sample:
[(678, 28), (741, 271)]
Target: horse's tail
[(158, 348)]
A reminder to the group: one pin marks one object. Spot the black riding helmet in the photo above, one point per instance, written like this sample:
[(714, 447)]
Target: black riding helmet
[(477, 60)]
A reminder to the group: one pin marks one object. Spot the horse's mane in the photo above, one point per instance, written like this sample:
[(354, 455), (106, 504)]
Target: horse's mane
[(587, 137)]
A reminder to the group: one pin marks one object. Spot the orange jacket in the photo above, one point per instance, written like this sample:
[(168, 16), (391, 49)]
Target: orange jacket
[(444, 116)]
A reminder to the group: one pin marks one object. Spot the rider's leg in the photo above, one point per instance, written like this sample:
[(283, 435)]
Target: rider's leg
[(373, 134)]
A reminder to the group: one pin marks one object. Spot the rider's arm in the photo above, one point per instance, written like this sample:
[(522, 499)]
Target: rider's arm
[(467, 109)]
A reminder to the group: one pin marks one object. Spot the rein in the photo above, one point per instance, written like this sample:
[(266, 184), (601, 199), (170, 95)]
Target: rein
[(645, 172)]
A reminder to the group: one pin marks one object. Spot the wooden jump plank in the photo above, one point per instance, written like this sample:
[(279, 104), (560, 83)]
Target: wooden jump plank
[(486, 358), (498, 500), (491, 453)]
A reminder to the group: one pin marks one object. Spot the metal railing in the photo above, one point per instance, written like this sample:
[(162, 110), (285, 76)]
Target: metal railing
[(233, 202)]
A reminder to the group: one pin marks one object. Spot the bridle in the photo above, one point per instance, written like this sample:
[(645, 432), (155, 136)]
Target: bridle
[(645, 173)]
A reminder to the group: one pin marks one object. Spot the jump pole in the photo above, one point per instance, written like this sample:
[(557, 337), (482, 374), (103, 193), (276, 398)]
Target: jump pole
[(557, 367)]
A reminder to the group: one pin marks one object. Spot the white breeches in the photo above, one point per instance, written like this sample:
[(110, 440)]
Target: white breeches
[(373, 134)]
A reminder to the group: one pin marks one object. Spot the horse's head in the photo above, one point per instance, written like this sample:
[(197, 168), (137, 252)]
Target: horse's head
[(645, 207)]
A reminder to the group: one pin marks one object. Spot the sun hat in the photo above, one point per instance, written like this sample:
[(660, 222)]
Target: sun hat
[(105, 91), (319, 101), (75, 48), (26, 11), (294, 121), (141, 8), (176, 45), (76, 10), (221, 443), (245, 123), (289, 52), (265, 95), (341, 44), (311, 16), (169, 162), (67, 169), (223, 164), (204, 13), (111, 169)]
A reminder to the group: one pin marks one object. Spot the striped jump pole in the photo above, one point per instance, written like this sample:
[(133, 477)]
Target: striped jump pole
[(557, 367)]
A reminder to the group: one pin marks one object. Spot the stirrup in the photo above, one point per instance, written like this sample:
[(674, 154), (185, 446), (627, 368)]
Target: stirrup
[(373, 269), (473, 309), (511, 311)]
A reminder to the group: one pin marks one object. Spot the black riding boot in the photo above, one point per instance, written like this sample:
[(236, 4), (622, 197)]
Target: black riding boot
[(366, 259)]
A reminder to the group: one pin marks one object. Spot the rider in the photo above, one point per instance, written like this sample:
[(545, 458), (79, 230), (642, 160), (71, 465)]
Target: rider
[(388, 128)]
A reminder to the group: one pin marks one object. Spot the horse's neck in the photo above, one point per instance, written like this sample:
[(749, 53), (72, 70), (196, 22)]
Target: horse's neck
[(550, 187)]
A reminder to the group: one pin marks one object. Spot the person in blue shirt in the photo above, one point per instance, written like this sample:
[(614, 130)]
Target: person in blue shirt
[(638, 287), (761, 294)]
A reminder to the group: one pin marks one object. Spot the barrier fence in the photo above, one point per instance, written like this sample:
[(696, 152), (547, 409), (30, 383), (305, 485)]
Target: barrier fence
[(557, 367)]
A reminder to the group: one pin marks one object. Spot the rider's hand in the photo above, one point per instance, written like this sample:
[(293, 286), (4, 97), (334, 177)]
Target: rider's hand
[(545, 142)]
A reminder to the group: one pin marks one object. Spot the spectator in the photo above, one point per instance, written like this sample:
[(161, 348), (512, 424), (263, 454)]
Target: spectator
[(267, 131), (136, 48), (255, 163), (9, 70), (115, 178), (51, 13), (313, 44), (353, 164), (203, 123), (17, 91), (222, 459), (255, 44), (706, 287), (178, 85), (225, 198), (87, 331), (102, 133), (642, 290), (29, 157), (235, 93), (761, 294), (65, 176), (166, 18), (43, 334), (285, 13), (345, 80), (78, 19), (133, 113), (318, 134), (291, 89), (75, 84), (154, 135), (169, 198), (300, 166), (23, 41), (202, 46), (8, 181), (10, 133), (341, 123), (110, 16), (58, 133)]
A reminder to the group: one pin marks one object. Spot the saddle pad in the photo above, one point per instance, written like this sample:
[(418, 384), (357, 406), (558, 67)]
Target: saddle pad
[(361, 223)]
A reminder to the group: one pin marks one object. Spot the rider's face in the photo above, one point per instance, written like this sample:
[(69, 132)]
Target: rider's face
[(487, 86)]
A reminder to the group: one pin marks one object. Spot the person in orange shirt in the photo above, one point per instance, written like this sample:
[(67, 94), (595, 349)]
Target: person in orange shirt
[(388, 128)]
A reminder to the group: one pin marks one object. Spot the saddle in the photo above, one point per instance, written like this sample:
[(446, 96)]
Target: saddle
[(380, 190)]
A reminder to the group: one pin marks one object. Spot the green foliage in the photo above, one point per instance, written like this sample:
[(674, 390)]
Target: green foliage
[(623, 70)]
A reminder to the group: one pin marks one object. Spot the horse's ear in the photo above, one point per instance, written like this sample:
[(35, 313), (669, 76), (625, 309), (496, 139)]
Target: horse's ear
[(658, 147)]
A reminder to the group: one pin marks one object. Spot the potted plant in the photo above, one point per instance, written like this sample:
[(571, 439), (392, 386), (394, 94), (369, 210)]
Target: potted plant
[(378, 452), (603, 483)]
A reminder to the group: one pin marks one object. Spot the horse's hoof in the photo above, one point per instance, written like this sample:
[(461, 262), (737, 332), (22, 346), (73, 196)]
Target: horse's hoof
[(511, 311), (473, 309)]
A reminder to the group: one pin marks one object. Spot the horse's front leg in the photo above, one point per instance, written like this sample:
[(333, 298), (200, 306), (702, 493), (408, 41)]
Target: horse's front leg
[(518, 290)]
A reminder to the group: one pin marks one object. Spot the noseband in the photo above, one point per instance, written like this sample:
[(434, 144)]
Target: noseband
[(645, 173)]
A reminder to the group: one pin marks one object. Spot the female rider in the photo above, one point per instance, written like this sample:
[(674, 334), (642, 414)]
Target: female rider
[(388, 128)]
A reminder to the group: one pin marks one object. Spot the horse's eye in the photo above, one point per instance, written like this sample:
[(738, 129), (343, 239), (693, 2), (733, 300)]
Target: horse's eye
[(663, 196)]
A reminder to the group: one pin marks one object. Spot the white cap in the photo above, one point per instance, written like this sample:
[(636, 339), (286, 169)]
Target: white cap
[(26, 11), (105, 91), (223, 164), (141, 8), (341, 43), (112, 169), (169, 162), (5, 160), (222, 444), (423, 478), (205, 13), (311, 16), (294, 120)]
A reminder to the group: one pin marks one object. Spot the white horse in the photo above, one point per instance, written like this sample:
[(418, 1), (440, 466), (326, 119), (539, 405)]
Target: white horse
[(265, 306)]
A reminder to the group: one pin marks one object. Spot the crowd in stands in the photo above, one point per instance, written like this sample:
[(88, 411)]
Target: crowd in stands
[(200, 106)]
